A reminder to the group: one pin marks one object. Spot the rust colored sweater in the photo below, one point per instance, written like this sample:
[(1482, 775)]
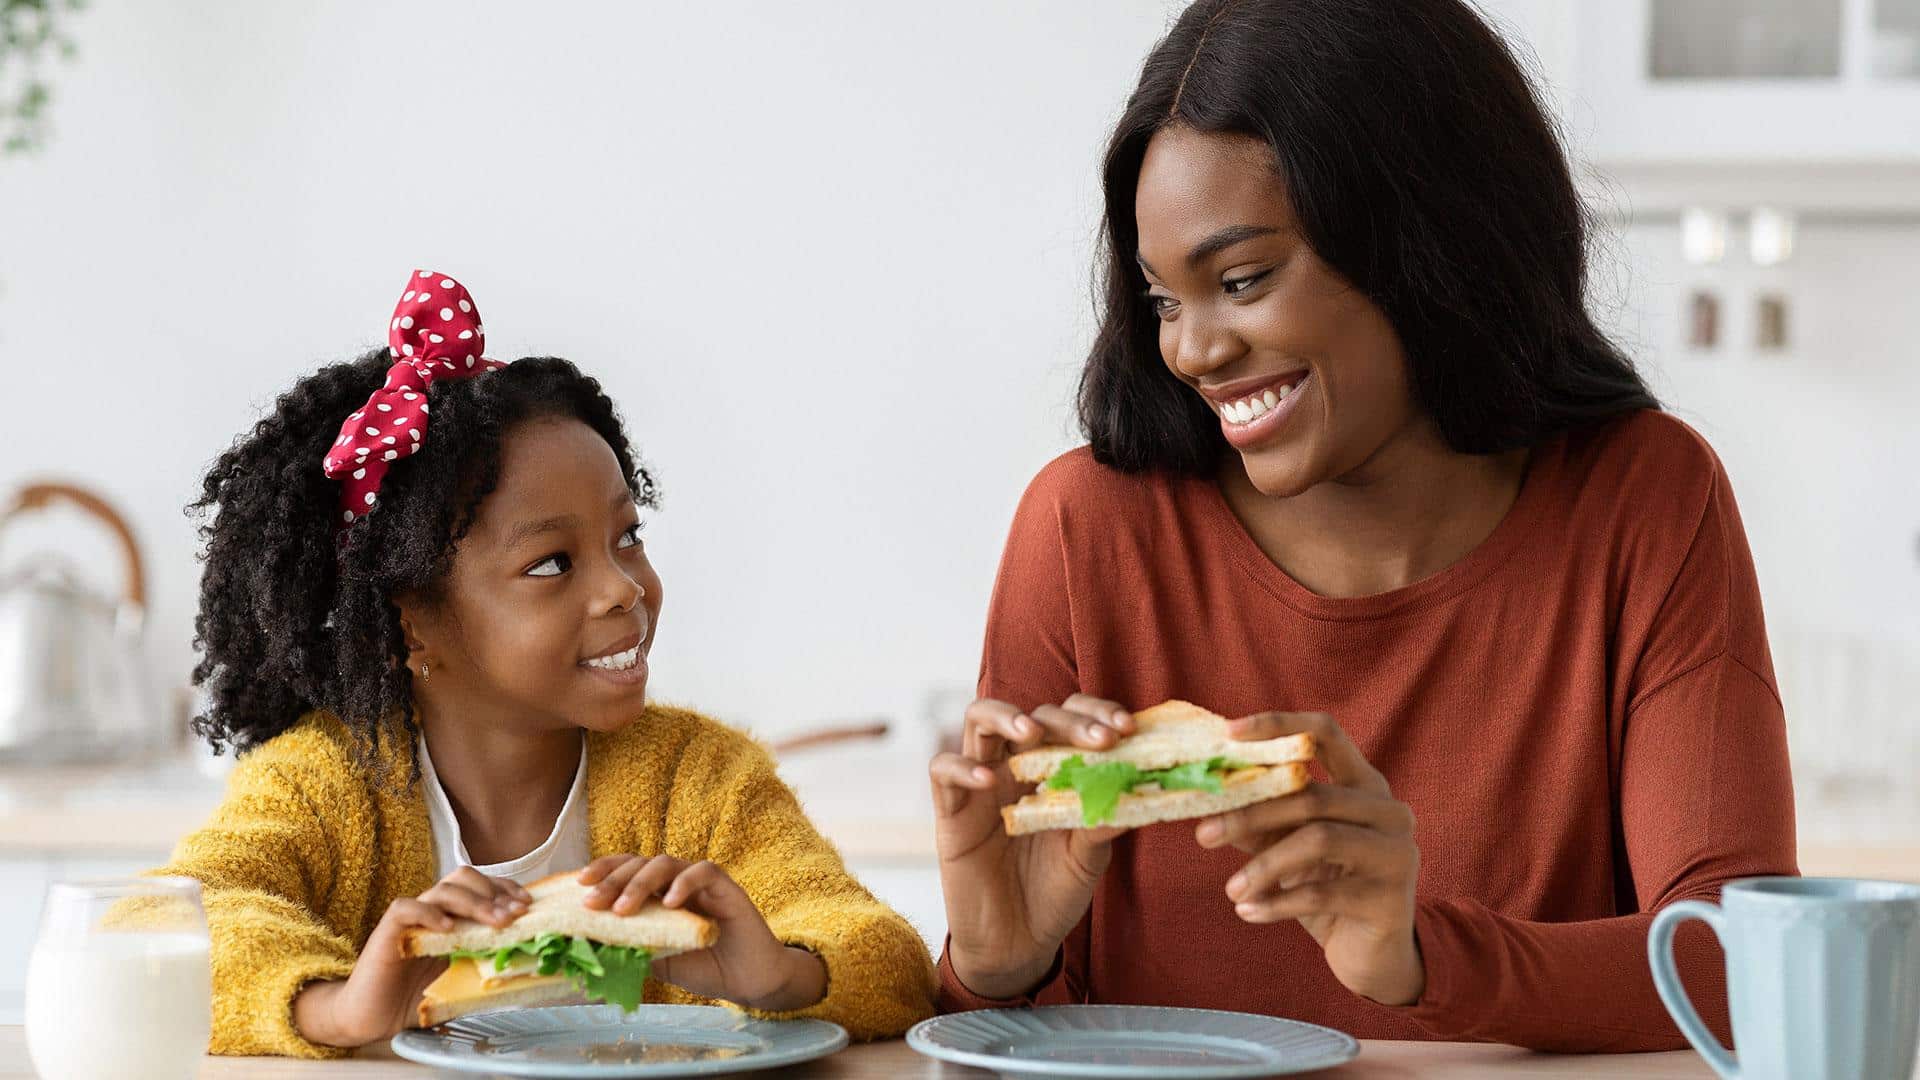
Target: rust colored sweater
[(1581, 713)]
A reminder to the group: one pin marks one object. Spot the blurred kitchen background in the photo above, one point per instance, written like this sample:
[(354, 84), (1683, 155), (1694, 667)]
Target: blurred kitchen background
[(832, 259)]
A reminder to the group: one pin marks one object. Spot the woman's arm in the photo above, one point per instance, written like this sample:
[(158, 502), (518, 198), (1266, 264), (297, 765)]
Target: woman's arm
[(1705, 797)]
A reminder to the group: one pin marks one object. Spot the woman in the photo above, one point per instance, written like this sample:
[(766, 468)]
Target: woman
[(1361, 464)]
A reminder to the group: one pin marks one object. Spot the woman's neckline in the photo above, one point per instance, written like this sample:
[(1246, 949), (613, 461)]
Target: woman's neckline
[(1458, 576)]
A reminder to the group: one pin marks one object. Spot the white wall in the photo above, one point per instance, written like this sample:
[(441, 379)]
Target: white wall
[(832, 260)]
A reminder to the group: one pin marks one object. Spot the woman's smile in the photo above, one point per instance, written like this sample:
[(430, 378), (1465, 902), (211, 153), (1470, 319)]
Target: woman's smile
[(1253, 411)]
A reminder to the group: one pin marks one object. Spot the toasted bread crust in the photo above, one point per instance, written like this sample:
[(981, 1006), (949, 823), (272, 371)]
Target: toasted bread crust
[(557, 909), (1168, 734)]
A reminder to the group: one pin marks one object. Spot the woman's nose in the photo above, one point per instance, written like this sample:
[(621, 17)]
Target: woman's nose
[(1203, 345)]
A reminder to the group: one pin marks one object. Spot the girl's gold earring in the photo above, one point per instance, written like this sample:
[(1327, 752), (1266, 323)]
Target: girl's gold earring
[(426, 672)]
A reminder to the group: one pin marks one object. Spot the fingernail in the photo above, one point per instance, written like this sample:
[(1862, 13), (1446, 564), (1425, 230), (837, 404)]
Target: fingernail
[(1245, 911), (1209, 832), (518, 905), (983, 774), (1236, 885)]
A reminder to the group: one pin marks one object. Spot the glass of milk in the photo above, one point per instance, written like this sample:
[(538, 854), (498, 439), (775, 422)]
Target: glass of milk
[(120, 986)]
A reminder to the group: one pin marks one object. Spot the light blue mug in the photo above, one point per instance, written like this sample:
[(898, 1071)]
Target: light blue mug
[(1823, 977)]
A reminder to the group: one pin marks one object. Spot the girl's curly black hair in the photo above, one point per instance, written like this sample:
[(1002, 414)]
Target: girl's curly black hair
[(295, 615)]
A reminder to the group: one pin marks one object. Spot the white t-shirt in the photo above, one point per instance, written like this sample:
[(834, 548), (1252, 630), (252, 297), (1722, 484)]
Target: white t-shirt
[(566, 847)]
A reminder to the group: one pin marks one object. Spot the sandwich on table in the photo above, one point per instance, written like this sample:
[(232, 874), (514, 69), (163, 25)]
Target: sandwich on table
[(1180, 763)]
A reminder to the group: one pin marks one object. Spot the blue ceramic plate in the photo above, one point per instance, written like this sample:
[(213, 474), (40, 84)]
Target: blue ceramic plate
[(1126, 1042), (598, 1041)]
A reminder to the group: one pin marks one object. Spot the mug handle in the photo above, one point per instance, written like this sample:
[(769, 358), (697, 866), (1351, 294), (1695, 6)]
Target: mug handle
[(1666, 979)]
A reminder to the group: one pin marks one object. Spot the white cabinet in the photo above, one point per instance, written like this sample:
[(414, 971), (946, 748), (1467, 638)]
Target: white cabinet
[(1745, 80)]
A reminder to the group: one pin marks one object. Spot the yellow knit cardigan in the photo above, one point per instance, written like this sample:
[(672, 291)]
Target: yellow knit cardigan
[(305, 853)]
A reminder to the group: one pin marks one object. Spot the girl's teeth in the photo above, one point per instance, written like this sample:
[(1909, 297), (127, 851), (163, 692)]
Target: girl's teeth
[(620, 661)]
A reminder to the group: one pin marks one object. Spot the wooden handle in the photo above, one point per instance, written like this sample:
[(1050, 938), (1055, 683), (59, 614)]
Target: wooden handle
[(807, 740), (40, 496)]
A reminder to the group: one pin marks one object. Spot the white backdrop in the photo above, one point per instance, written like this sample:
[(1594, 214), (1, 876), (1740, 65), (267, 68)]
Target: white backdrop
[(831, 259)]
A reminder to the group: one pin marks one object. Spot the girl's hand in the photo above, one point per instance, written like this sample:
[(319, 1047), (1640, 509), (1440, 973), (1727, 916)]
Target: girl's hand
[(1012, 899), (747, 966), (380, 998), (1339, 857)]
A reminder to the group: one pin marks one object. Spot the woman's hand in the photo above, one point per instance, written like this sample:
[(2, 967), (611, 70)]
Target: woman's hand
[(380, 997), (1011, 900), (1339, 857), (747, 966)]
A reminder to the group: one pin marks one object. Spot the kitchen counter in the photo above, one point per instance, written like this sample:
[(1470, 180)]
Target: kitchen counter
[(891, 1060)]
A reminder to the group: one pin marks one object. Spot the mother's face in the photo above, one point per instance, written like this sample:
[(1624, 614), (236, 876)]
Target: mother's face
[(1306, 374)]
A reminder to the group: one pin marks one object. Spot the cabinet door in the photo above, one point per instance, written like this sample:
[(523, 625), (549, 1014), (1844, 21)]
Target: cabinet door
[(1747, 80)]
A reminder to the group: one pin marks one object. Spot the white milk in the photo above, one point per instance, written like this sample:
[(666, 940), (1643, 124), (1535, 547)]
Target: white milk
[(116, 1006)]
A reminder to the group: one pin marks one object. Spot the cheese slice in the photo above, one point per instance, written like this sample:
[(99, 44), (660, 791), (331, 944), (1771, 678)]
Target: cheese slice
[(464, 979)]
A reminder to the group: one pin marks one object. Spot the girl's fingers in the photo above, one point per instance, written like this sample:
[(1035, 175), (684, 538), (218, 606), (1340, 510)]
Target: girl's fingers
[(1111, 713), (602, 896), (650, 881), (408, 911), (597, 870), (703, 877), (1073, 728), (500, 888), (1256, 827), (468, 904), (1345, 763), (1314, 853)]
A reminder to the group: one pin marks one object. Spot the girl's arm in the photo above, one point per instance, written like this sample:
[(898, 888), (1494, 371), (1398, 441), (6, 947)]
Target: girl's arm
[(878, 976), (266, 865)]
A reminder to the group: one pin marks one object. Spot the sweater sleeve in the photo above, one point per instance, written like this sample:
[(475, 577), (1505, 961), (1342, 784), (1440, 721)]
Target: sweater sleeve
[(1704, 797), (265, 865), (1028, 660), (879, 976)]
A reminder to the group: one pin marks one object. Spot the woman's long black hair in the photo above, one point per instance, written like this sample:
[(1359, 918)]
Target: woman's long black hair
[(296, 615), (1422, 168)]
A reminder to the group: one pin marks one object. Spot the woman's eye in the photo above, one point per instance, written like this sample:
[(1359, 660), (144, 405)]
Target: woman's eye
[(551, 566), (1163, 306), (1236, 286), (631, 538)]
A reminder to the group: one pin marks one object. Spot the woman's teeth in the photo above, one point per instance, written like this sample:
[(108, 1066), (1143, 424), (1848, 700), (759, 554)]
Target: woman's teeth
[(619, 661), (1249, 409)]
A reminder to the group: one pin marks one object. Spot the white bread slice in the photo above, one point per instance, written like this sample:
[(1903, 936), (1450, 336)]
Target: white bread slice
[(1171, 733), (1044, 809), (557, 909), (460, 991)]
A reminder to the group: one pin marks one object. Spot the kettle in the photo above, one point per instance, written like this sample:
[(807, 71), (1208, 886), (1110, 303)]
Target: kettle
[(74, 680)]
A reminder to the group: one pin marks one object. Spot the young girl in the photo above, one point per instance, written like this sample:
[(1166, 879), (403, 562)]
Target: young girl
[(425, 620)]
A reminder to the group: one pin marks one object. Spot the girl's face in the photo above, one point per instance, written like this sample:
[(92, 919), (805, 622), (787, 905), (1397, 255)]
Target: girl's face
[(1306, 374), (548, 612)]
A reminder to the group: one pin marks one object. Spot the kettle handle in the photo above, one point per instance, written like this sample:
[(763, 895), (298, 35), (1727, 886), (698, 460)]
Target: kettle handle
[(39, 496)]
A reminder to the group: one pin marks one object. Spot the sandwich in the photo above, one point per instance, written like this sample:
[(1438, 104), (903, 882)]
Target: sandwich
[(1179, 763), (557, 951)]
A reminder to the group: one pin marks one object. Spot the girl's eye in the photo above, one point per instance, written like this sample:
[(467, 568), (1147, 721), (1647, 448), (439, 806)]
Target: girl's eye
[(631, 538), (552, 566), (1237, 286), (1162, 305)]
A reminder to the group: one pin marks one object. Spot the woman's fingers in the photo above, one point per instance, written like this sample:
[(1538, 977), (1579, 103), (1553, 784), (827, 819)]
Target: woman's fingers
[(1345, 764), (1252, 828), (1111, 713), (1074, 728), (1322, 851), (990, 726), (1328, 897)]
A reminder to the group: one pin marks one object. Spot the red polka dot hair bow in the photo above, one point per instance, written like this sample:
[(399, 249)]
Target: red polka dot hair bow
[(435, 334)]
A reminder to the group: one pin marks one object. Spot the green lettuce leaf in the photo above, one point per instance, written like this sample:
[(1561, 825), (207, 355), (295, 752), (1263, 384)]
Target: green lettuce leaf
[(1100, 786), (614, 974)]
